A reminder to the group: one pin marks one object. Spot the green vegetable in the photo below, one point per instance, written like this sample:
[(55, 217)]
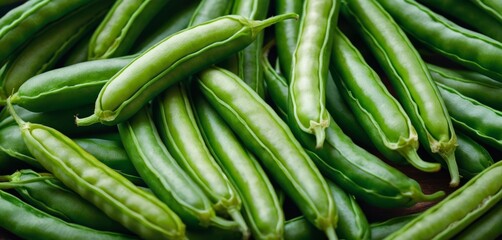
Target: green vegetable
[(286, 33), (380, 230)]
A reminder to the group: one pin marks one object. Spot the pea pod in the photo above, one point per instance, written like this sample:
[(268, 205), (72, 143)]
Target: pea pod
[(470, 201), (351, 167), (471, 156), (67, 87), (170, 61), (469, 48), (409, 77), (36, 224), (488, 226), (299, 228), (52, 197), (164, 176), (117, 197), (309, 68), (479, 121), (261, 208), (20, 24), (120, 28), (492, 7), (286, 33), (471, 84), (468, 13), (379, 113), (43, 51), (210, 9), (380, 230), (270, 139)]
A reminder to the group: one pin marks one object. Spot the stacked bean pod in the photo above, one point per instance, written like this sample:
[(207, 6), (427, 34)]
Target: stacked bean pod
[(256, 119)]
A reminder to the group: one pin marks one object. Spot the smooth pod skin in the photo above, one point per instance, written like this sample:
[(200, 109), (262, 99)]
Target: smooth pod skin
[(469, 48), (351, 167), (43, 51), (299, 228), (67, 87), (121, 26), (36, 224), (309, 67), (488, 226), (20, 24), (178, 128), (472, 157), (270, 139), (470, 201), (479, 121), (409, 77), (248, 59), (52, 197), (163, 175), (380, 230), (117, 197), (379, 113), (471, 84), (171, 61), (210, 9), (261, 207), (468, 13), (286, 33), (492, 7)]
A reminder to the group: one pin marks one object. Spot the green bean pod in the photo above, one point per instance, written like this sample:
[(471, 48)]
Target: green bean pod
[(248, 59), (408, 74), (270, 139), (67, 87), (492, 7), (117, 197), (210, 9), (52, 197), (164, 176), (36, 224), (121, 27), (468, 13), (299, 228), (471, 84), (170, 61), (470, 201), (20, 24), (379, 113), (43, 51), (261, 207), (178, 128), (474, 118), (472, 158), (286, 33), (380, 230), (488, 226), (351, 167), (472, 49), (309, 67), (76, 54)]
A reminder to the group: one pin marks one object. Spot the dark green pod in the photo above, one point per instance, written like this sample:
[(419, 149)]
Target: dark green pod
[(380, 230), (472, 157)]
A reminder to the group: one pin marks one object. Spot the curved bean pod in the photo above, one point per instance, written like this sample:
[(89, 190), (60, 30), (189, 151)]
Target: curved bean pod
[(299, 228), (52, 197), (470, 201), (351, 167), (123, 23), (380, 230), (170, 61), (270, 139), (488, 226), (163, 175), (286, 33), (43, 51), (381, 115), (36, 224), (21, 23), (262, 210), (471, 84), (309, 67), (210, 9), (479, 121), (408, 74), (117, 197), (472, 158), (491, 7), (478, 52)]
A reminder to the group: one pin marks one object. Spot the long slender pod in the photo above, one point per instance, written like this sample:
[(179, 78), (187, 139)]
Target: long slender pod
[(488, 226), (408, 74), (470, 201), (492, 7), (472, 157), (381, 115), (138, 210), (472, 49), (351, 167), (309, 67), (286, 33), (261, 207), (271, 140), (171, 61)]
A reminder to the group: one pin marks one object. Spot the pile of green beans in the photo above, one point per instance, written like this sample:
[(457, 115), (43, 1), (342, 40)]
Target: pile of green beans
[(250, 119)]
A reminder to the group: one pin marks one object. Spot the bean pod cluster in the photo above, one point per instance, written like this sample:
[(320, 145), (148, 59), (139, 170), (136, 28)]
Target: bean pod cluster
[(250, 119)]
